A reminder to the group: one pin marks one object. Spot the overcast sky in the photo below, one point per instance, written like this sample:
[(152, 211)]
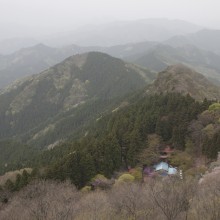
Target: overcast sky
[(69, 14)]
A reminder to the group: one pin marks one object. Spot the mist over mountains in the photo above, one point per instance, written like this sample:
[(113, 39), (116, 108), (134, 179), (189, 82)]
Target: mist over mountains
[(108, 34), (125, 32), (161, 56), (197, 50), (206, 39), (105, 100), (109, 110), (67, 96)]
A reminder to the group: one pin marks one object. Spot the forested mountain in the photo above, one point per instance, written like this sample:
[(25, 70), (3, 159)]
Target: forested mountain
[(32, 60), (83, 97), (109, 110), (206, 39), (119, 138), (160, 56), (26, 62), (151, 55), (181, 79), (49, 106)]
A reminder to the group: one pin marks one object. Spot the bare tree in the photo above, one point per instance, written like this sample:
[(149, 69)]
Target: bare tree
[(132, 201), (94, 206), (43, 200), (207, 202), (165, 198), (172, 196)]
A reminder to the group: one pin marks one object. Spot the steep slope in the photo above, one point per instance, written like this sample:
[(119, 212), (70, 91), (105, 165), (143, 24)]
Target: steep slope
[(32, 60), (118, 131), (66, 95), (161, 56), (152, 55), (28, 61), (122, 139), (181, 79)]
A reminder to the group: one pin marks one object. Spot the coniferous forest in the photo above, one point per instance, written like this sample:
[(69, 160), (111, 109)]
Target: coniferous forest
[(117, 140), (100, 161)]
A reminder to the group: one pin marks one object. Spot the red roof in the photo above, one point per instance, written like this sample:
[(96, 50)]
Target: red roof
[(168, 150)]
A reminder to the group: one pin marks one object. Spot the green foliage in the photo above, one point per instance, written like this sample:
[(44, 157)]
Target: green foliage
[(126, 178), (9, 185), (181, 79), (150, 155), (21, 181), (209, 130), (99, 177), (211, 146), (137, 173), (15, 155), (183, 160), (52, 100), (123, 139), (86, 189), (205, 132), (77, 166), (43, 110), (214, 107)]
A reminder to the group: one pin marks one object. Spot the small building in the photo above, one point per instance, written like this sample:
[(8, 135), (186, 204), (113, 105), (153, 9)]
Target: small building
[(165, 169), (172, 171), (162, 169), (162, 166)]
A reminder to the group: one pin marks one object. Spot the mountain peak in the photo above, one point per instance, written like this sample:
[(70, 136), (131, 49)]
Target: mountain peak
[(80, 60), (78, 85), (181, 79), (179, 69), (40, 45)]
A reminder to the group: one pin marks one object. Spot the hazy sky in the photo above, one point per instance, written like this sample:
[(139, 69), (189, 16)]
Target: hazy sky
[(68, 14)]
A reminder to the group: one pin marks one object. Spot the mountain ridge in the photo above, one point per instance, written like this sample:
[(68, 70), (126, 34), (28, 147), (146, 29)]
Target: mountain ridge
[(182, 79), (68, 89), (206, 39), (161, 56), (114, 33)]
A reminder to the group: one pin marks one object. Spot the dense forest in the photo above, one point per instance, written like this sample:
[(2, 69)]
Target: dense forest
[(128, 137), (48, 107), (117, 140), (121, 139)]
